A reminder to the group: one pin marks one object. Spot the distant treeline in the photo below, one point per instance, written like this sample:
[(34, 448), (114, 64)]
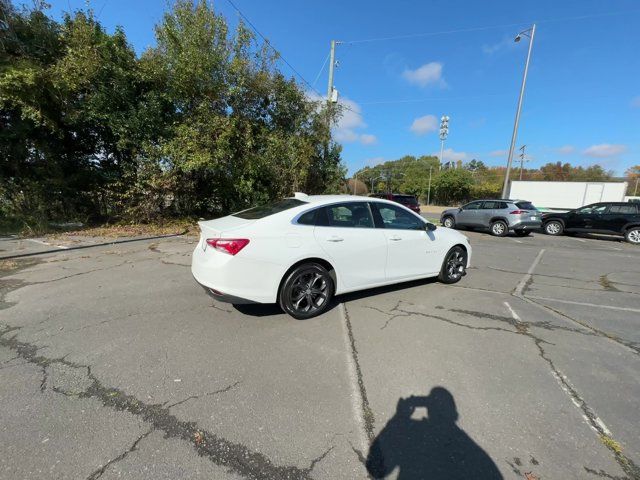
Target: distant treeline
[(201, 124), (469, 181)]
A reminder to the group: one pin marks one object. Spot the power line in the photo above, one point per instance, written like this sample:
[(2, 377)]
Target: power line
[(490, 27), (321, 69), (268, 43), (433, 99)]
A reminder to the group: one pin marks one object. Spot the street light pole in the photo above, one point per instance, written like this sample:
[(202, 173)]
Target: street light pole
[(444, 132), (528, 33)]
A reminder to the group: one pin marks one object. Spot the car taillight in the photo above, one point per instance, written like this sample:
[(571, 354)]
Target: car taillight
[(228, 245), (518, 212)]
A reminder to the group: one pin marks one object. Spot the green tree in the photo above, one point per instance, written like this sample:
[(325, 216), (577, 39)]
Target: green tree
[(453, 185)]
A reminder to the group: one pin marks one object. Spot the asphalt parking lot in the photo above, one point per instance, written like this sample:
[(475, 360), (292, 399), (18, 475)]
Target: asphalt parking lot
[(115, 364)]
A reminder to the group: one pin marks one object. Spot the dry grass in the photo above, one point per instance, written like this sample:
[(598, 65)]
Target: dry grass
[(8, 265), (183, 226)]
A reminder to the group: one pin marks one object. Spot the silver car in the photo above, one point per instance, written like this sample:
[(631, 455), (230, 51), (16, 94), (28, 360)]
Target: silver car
[(499, 216)]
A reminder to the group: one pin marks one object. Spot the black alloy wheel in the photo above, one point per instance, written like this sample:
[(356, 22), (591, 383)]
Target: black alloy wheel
[(454, 266), (306, 291)]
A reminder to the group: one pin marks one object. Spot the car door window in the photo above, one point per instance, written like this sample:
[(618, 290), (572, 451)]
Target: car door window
[(490, 205), (592, 209), (472, 206), (349, 215), (398, 218)]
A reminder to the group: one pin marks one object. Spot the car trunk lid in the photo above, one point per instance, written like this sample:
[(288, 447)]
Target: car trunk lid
[(221, 226)]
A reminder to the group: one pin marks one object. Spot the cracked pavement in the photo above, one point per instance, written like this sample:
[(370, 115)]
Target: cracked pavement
[(114, 364)]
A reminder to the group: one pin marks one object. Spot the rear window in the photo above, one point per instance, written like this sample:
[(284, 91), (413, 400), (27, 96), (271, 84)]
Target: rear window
[(406, 199), (269, 209), (622, 209), (525, 206)]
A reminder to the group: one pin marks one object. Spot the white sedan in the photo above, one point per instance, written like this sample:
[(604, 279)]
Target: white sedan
[(299, 252)]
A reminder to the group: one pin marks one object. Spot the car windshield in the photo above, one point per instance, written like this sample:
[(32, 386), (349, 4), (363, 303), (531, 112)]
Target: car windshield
[(526, 206), (406, 199), (269, 209)]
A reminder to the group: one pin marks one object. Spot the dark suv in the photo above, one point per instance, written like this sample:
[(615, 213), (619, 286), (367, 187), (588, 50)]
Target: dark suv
[(409, 201), (611, 218)]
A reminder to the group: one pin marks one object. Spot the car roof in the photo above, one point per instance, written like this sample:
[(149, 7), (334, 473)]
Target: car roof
[(498, 200), (317, 200)]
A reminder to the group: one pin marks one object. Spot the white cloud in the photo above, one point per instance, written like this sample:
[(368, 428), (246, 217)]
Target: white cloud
[(499, 153), (635, 102), (450, 154), (429, 73), (423, 125), (604, 150), (368, 139), (346, 131), (566, 150)]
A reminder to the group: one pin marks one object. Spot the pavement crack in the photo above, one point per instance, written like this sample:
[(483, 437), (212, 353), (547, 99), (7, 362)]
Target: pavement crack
[(391, 315), (633, 346), (318, 459), (236, 457), (367, 413), (194, 397), (602, 474), (134, 446)]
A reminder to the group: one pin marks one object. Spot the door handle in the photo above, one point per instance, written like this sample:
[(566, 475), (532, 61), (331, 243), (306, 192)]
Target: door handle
[(395, 238), (335, 239)]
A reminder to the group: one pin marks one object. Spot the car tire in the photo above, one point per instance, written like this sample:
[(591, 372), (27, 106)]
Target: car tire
[(449, 222), (633, 235), (553, 227), (454, 266), (522, 233), (499, 228), (306, 291)]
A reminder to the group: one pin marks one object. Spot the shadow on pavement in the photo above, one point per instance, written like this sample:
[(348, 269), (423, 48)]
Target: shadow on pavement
[(266, 310), (433, 447)]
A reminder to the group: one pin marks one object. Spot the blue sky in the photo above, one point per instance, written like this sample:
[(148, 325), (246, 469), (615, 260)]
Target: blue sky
[(583, 93)]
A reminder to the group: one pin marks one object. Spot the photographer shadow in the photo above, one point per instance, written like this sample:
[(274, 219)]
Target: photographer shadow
[(431, 448)]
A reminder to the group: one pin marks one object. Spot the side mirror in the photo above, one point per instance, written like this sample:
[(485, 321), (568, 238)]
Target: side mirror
[(459, 209), (430, 227)]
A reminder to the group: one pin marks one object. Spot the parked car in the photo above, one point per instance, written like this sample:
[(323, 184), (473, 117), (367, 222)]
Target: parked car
[(301, 251), (612, 218), (500, 216), (409, 201)]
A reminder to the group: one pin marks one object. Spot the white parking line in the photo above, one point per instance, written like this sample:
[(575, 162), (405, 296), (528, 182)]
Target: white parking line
[(518, 291), (517, 241), (609, 307), (357, 401), (567, 388), (515, 316)]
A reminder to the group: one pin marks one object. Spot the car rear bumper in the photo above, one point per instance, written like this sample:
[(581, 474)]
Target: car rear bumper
[(235, 279), (223, 297), (526, 225)]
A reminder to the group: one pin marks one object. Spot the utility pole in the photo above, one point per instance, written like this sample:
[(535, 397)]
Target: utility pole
[(635, 192), (529, 33), (444, 132), (332, 62), (429, 191), (522, 159)]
